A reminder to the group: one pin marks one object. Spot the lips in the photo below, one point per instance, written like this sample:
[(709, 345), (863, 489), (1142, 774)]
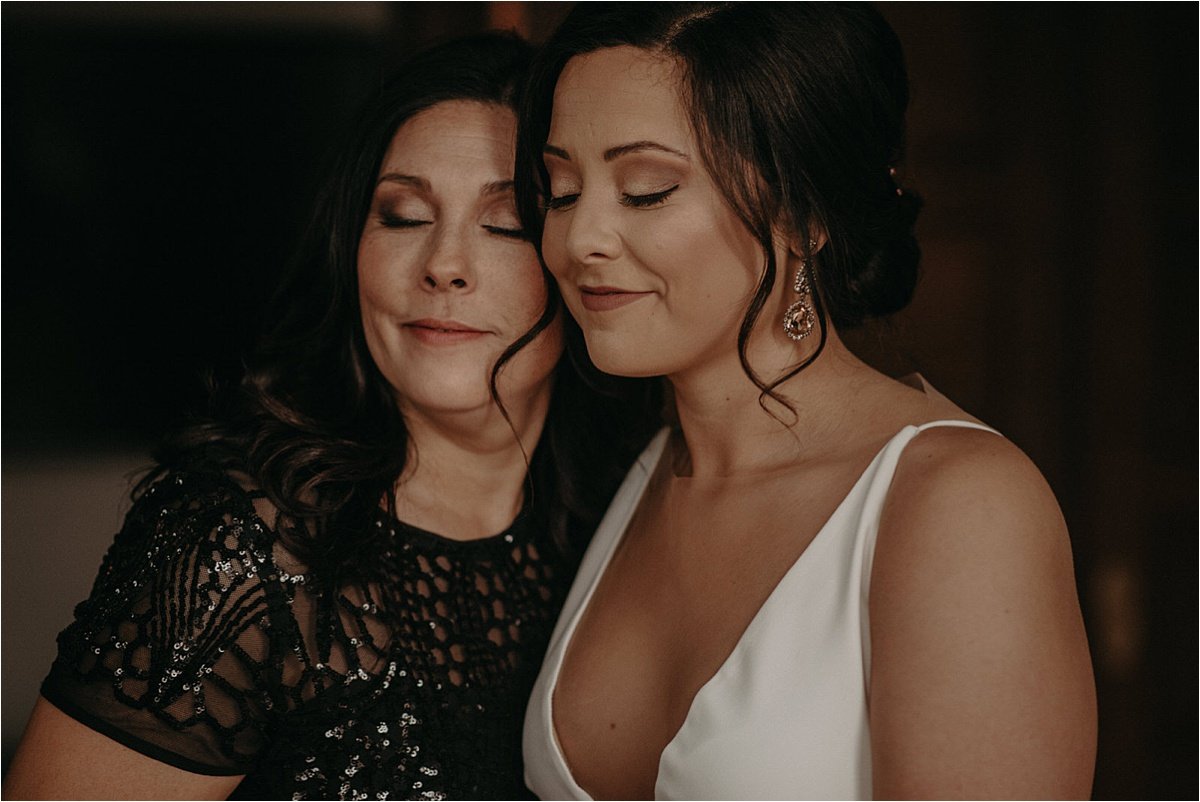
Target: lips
[(442, 325), (603, 299), (442, 332)]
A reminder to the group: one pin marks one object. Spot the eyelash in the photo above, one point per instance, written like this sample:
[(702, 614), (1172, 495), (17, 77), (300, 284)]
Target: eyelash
[(647, 200), (555, 204), (508, 233), (391, 221)]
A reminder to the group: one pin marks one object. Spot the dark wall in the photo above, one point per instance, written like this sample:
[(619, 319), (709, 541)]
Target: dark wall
[(160, 161), (1056, 148), (155, 178)]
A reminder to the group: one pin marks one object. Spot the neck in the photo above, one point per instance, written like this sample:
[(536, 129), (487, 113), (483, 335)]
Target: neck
[(465, 477), (726, 429)]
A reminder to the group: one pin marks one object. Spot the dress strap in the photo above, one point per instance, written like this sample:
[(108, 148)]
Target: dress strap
[(965, 424)]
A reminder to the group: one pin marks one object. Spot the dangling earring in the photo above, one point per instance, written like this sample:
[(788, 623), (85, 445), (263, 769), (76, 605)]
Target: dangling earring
[(801, 317)]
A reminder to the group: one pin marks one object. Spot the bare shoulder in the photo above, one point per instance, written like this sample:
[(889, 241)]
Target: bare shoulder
[(949, 473), (969, 512), (960, 481), (978, 650)]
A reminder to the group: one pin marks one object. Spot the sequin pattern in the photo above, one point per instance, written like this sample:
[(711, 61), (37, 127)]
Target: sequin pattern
[(206, 644)]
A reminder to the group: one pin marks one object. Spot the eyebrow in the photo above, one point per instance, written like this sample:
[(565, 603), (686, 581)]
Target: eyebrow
[(497, 187), (619, 150), (407, 180), (490, 188)]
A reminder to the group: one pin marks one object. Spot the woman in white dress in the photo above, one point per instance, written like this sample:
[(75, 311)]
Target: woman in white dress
[(822, 582)]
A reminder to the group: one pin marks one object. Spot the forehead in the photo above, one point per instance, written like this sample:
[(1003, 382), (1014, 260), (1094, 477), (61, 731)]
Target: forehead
[(616, 95), (455, 133)]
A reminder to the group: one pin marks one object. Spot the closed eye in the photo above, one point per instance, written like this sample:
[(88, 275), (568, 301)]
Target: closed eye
[(509, 233), (555, 203), (395, 221), (650, 199)]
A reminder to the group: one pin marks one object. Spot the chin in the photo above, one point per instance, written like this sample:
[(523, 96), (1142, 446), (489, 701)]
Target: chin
[(446, 396), (621, 357), (451, 393)]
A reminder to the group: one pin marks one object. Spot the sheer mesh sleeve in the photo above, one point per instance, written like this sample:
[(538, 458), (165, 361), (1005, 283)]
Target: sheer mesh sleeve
[(177, 651)]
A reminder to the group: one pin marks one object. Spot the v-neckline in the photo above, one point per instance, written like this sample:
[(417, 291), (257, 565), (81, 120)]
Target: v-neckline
[(568, 634)]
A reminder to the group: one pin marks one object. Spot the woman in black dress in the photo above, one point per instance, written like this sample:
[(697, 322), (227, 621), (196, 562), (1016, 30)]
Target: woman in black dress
[(340, 584)]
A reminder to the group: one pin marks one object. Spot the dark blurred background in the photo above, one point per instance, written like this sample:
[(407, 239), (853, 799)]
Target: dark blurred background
[(160, 160)]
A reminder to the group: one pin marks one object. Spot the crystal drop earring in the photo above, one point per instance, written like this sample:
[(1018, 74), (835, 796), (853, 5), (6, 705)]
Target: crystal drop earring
[(800, 318)]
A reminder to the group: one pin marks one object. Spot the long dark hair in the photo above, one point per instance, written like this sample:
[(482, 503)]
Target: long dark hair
[(313, 423), (812, 96)]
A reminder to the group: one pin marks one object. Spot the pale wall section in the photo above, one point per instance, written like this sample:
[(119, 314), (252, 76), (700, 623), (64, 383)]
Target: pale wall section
[(60, 513)]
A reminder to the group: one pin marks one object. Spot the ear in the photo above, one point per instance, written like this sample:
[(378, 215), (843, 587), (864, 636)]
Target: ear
[(799, 249), (802, 248)]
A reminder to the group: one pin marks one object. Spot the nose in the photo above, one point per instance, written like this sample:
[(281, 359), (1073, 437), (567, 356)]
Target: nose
[(591, 234), (448, 267)]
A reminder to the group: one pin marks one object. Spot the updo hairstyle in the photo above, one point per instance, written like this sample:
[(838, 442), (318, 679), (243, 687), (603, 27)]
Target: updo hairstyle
[(811, 97)]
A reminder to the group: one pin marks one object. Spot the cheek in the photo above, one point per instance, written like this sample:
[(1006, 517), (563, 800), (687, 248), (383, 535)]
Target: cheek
[(522, 292), (524, 298), (709, 269), (553, 246), (716, 252), (371, 297), (377, 275), (525, 301)]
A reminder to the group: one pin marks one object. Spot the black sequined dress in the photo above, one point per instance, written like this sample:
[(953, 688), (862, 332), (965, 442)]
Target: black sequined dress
[(206, 645)]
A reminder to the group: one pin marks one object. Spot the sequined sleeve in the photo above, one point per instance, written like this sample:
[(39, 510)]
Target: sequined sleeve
[(175, 652)]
